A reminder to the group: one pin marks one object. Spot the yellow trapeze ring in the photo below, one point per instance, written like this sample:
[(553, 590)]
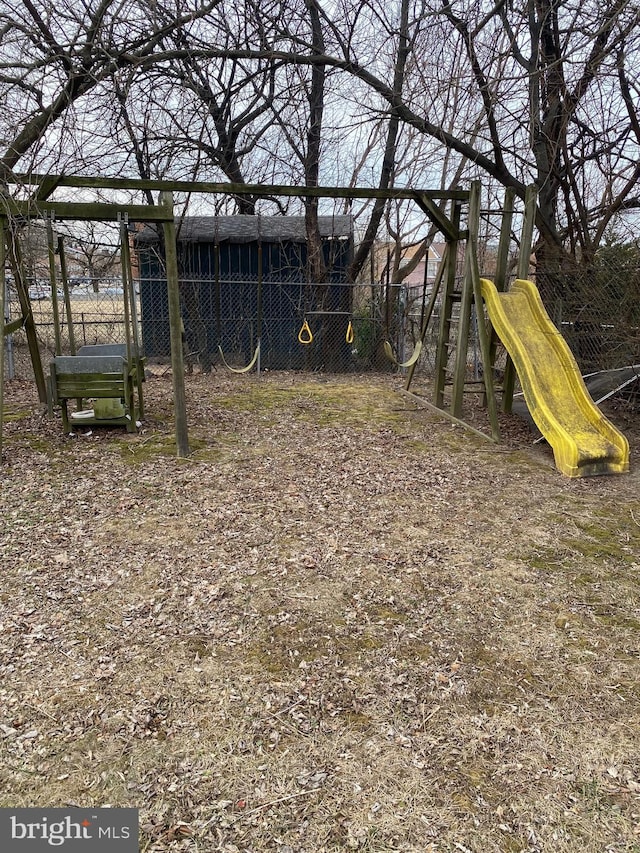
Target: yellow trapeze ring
[(305, 336)]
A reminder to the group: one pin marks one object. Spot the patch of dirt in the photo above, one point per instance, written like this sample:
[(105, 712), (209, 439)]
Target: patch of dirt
[(343, 623)]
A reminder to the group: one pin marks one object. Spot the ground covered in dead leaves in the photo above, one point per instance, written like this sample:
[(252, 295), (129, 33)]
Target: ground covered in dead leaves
[(341, 624)]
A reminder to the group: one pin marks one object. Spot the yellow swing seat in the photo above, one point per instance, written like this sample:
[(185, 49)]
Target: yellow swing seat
[(240, 369), (388, 351)]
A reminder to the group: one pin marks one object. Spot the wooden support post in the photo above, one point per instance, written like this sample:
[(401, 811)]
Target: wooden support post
[(54, 287), (483, 338), (502, 260), (17, 267), (464, 322), (500, 281), (526, 239), (65, 289), (2, 298), (524, 259), (67, 305), (175, 328), (446, 310), (124, 277), (471, 295), (131, 314)]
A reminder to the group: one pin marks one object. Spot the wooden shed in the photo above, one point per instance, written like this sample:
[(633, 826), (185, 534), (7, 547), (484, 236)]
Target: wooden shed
[(244, 278)]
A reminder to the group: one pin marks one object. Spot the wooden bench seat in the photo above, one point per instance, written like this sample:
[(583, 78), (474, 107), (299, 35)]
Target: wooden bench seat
[(87, 377), (137, 362)]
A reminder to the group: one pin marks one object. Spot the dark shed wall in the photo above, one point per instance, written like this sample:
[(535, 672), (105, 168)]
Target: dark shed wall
[(222, 280)]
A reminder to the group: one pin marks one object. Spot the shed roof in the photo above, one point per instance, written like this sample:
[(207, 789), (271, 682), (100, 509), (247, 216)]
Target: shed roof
[(249, 229)]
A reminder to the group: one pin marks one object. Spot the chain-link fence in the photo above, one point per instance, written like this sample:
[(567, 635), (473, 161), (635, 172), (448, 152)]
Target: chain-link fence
[(603, 332), (224, 320), (597, 309), (96, 318), (331, 326), (347, 338)]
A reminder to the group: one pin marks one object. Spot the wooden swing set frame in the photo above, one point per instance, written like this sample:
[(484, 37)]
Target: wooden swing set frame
[(37, 206)]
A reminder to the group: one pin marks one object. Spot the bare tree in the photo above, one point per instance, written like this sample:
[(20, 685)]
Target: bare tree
[(93, 251), (54, 55), (542, 91), (552, 83)]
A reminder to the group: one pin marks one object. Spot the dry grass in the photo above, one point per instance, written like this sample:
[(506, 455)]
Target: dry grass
[(341, 624)]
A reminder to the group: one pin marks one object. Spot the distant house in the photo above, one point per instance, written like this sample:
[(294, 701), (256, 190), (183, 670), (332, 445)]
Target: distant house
[(385, 259), (416, 278), (244, 278)]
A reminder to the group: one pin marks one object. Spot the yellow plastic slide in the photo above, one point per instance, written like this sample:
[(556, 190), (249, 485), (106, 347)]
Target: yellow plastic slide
[(584, 442)]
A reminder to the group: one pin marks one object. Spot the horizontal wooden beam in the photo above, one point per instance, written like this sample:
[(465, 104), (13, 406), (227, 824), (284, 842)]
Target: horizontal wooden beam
[(445, 414), (264, 190), (85, 210)]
